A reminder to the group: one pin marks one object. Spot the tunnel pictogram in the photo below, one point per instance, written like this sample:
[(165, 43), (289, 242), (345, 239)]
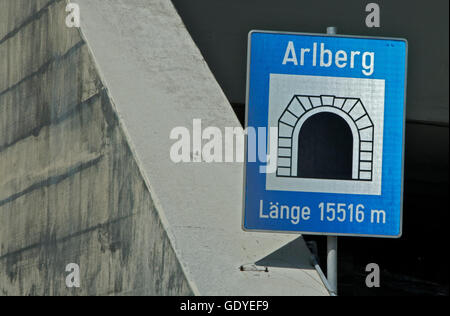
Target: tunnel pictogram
[(325, 137)]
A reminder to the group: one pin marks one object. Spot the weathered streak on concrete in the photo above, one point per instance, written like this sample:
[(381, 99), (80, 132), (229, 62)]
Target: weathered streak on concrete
[(17, 13), (70, 189), (28, 54), (66, 142), (46, 95)]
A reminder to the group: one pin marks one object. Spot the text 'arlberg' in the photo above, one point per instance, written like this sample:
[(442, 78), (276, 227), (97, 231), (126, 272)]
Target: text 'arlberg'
[(324, 57)]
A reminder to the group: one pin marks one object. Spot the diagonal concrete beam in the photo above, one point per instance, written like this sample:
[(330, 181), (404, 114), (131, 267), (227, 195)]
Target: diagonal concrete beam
[(158, 80)]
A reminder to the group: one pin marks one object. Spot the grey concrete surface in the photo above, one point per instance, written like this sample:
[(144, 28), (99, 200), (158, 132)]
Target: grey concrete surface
[(157, 83), (85, 172), (70, 190)]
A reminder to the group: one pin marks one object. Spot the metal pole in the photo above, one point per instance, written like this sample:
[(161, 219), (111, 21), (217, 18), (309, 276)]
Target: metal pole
[(332, 242), (331, 30), (332, 263)]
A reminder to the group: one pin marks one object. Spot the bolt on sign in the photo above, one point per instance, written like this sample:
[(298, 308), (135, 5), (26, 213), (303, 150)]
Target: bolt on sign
[(337, 106)]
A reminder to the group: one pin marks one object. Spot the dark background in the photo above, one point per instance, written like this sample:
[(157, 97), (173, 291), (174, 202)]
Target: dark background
[(417, 262)]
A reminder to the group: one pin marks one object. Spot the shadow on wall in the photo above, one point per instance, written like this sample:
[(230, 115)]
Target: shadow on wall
[(289, 256)]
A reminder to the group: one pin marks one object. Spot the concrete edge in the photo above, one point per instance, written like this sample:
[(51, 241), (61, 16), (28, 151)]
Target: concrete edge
[(158, 204)]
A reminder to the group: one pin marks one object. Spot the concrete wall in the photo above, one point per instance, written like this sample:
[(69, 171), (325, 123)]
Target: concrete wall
[(159, 80), (70, 189), (85, 172)]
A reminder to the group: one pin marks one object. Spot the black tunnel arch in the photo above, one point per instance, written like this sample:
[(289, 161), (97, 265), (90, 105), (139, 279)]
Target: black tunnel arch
[(325, 153)]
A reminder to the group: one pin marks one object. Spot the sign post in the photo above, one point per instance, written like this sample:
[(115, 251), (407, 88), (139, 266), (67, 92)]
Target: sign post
[(326, 153), (332, 241)]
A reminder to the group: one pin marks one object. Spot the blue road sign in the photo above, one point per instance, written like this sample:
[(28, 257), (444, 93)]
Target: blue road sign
[(334, 111)]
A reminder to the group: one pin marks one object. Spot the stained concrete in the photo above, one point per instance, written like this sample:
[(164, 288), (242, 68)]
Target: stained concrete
[(70, 190), (85, 172)]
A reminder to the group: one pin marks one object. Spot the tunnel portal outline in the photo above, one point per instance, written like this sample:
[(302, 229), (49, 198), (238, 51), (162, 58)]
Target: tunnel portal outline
[(302, 107)]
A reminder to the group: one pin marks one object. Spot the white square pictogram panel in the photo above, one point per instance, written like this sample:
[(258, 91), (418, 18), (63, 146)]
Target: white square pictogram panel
[(355, 105)]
